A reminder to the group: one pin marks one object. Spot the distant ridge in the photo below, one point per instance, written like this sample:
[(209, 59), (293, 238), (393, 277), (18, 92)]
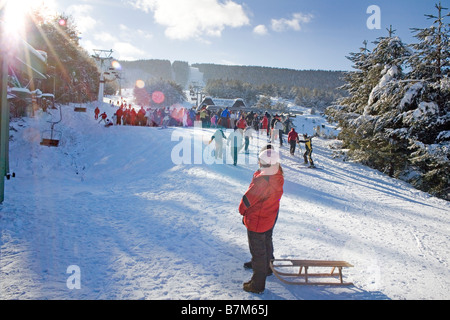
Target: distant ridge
[(180, 72), (311, 79)]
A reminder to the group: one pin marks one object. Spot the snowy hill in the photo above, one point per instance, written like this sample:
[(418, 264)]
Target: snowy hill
[(112, 202)]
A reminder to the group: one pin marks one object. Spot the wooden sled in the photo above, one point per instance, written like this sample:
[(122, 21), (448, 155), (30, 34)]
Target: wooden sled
[(300, 274)]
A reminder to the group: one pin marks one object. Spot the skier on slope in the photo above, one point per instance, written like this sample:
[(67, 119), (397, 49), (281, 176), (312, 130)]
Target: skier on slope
[(103, 117), (309, 150), (259, 207)]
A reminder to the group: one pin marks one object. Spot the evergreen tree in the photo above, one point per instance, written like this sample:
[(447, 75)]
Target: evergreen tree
[(73, 72), (366, 114), (426, 106), (396, 117)]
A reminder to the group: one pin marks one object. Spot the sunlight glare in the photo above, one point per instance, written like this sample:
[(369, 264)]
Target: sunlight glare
[(14, 19), (15, 12)]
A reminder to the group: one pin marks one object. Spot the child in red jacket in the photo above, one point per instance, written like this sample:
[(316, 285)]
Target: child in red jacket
[(259, 206)]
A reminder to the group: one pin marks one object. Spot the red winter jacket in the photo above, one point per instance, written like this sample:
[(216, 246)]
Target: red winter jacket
[(241, 124), (261, 202), (292, 136), (265, 122)]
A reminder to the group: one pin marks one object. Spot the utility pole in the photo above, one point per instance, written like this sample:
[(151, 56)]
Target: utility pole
[(4, 108), (102, 56), (4, 123)]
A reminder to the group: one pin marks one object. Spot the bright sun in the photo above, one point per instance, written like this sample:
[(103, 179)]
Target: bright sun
[(15, 12)]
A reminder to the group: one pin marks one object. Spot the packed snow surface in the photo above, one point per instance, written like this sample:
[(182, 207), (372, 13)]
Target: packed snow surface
[(112, 205)]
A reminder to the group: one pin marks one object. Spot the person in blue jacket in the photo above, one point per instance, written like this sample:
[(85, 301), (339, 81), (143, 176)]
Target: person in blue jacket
[(224, 116)]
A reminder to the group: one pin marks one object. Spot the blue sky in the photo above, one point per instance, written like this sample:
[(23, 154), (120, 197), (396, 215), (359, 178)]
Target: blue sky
[(295, 34)]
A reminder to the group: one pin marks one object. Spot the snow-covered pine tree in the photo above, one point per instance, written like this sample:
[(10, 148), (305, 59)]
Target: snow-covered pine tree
[(356, 85), (350, 107), (401, 126), (366, 115), (382, 151), (425, 117)]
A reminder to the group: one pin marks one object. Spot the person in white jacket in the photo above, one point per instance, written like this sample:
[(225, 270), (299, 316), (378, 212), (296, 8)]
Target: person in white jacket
[(218, 137), (277, 132), (248, 134)]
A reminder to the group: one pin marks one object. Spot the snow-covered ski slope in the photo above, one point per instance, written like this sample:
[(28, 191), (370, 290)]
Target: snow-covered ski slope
[(112, 202)]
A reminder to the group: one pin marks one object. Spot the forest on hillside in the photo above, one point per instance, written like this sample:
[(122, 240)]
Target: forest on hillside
[(260, 76), (310, 88)]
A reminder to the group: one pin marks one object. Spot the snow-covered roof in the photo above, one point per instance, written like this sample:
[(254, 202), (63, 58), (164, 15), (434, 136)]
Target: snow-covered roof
[(225, 103)]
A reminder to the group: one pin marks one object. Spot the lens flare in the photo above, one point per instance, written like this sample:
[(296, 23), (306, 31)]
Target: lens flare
[(158, 97), (140, 84), (116, 65)]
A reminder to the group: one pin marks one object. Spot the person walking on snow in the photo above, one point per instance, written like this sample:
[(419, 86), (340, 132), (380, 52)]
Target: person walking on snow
[(119, 114), (218, 137), (292, 140), (248, 134), (309, 149), (277, 132), (96, 112), (236, 143), (265, 123), (259, 207), (280, 126)]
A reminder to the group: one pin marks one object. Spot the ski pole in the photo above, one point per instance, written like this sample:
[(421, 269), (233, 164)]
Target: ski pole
[(300, 148)]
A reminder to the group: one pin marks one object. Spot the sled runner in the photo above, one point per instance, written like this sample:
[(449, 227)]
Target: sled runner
[(299, 271)]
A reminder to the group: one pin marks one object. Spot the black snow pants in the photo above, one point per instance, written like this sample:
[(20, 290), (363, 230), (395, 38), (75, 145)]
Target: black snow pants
[(261, 249), (293, 144)]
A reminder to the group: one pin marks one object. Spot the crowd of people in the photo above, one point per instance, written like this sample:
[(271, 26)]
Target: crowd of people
[(126, 114), (274, 125)]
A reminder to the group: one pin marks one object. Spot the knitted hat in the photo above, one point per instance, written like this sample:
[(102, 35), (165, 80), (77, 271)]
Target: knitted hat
[(269, 157)]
